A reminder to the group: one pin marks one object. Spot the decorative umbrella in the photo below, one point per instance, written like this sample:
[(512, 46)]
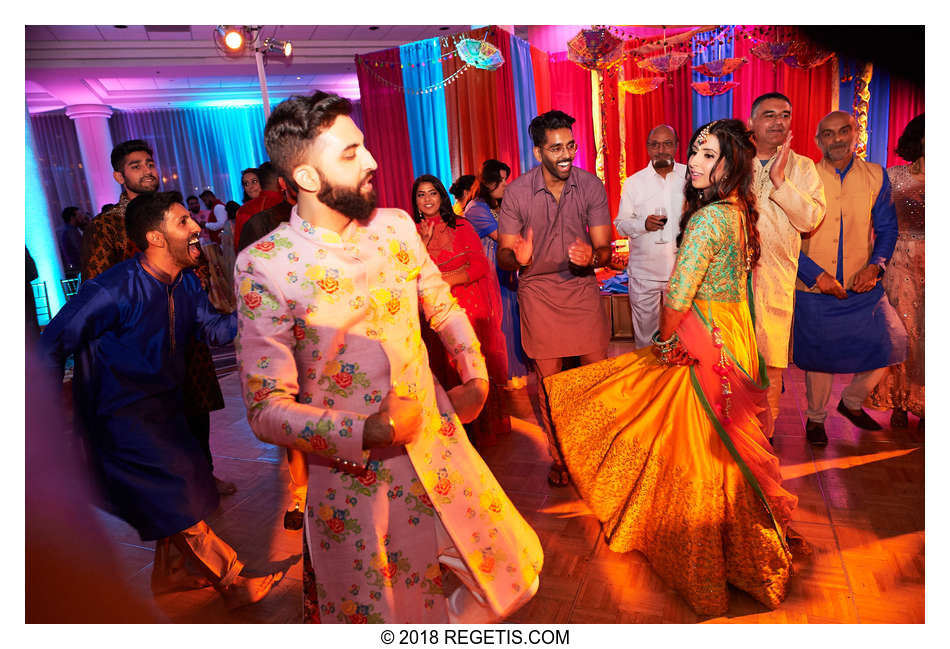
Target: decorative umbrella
[(594, 49), (713, 88), (720, 67), (480, 54), (664, 63), (806, 56), (772, 51), (641, 86)]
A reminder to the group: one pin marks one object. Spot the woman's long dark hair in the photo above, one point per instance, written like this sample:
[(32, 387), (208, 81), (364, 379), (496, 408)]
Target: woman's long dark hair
[(737, 155), (486, 182), (445, 205)]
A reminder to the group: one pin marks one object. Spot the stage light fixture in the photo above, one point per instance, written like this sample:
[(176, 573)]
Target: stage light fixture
[(230, 37), (278, 46)]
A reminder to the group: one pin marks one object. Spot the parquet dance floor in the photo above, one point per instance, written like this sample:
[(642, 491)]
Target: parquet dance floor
[(861, 507)]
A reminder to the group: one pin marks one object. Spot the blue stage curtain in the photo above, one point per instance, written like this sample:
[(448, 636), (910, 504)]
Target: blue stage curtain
[(59, 161), (526, 106), (39, 230), (879, 112), (706, 109), (425, 113), (198, 148)]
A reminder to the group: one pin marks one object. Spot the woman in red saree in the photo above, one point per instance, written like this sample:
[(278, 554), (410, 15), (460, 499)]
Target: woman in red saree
[(665, 444), (456, 249)]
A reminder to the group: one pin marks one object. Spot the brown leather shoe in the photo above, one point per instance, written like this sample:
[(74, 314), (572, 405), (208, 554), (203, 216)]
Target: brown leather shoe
[(815, 433)]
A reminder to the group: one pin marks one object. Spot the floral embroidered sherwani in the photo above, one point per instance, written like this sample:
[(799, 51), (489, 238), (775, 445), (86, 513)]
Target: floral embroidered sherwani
[(328, 324)]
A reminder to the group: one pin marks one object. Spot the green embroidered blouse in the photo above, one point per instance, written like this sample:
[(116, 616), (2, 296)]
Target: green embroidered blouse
[(710, 263)]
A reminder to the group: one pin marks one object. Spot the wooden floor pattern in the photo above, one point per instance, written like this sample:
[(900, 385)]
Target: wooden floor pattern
[(861, 507)]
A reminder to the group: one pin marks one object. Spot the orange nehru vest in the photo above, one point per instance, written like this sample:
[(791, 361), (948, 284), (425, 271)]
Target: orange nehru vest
[(851, 200)]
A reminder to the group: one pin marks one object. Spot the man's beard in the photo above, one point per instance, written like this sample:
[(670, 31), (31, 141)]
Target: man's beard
[(142, 189), (348, 202)]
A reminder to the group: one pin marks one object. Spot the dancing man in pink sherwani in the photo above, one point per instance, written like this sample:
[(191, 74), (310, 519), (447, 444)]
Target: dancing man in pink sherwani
[(404, 522)]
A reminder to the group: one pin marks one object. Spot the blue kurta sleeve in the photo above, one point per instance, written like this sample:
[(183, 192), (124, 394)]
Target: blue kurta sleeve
[(808, 270), (214, 328), (884, 221), (89, 314)]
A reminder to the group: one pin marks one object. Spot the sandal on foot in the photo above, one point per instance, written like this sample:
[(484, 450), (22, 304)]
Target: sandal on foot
[(558, 476)]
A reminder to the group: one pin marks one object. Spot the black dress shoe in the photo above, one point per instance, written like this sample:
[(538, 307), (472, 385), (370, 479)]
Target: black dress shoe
[(861, 419), (815, 433)]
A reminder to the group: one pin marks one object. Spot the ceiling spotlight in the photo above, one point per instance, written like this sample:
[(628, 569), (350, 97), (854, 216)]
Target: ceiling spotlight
[(278, 46), (232, 38)]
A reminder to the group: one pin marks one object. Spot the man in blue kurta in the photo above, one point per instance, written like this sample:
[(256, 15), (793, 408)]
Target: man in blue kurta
[(128, 329), (843, 322)]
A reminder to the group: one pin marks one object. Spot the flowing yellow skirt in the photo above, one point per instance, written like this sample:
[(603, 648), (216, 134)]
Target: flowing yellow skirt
[(645, 456)]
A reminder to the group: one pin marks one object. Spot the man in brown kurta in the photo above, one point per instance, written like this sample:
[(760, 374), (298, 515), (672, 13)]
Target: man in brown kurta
[(555, 228)]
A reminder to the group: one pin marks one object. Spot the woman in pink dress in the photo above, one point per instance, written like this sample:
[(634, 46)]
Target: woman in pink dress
[(456, 249)]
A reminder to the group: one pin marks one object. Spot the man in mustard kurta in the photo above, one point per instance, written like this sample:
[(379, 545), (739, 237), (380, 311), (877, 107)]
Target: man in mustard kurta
[(790, 200), (843, 322), (332, 363)]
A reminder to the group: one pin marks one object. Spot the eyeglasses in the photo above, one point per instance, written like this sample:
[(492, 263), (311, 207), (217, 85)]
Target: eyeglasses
[(560, 148)]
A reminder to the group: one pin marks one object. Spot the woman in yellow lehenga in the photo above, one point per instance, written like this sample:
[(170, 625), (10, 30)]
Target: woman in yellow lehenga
[(665, 444)]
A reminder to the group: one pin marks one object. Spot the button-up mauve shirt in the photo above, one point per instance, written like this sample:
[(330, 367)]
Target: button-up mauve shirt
[(642, 193), (561, 313)]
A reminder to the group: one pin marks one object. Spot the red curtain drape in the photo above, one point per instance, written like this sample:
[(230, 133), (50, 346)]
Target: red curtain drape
[(809, 91), (541, 65), (385, 128), (570, 92), (906, 103), (507, 135)]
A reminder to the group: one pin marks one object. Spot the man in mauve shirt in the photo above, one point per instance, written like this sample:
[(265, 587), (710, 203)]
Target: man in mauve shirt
[(554, 227)]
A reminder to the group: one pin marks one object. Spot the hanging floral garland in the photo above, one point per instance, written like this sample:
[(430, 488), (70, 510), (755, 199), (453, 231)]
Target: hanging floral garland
[(862, 100)]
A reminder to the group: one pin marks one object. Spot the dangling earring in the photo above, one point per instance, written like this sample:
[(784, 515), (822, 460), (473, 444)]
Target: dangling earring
[(915, 167)]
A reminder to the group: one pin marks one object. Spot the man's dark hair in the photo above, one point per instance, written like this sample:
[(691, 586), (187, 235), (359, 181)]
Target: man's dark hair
[(231, 207), (190, 197), (549, 121), (146, 212), (106, 207), (768, 95), (207, 192), (910, 145), (124, 149), (296, 122), (69, 213), (267, 176)]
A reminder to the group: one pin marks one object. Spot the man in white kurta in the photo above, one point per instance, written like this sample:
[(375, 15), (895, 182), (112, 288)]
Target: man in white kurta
[(332, 363), (658, 185), (790, 199)]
